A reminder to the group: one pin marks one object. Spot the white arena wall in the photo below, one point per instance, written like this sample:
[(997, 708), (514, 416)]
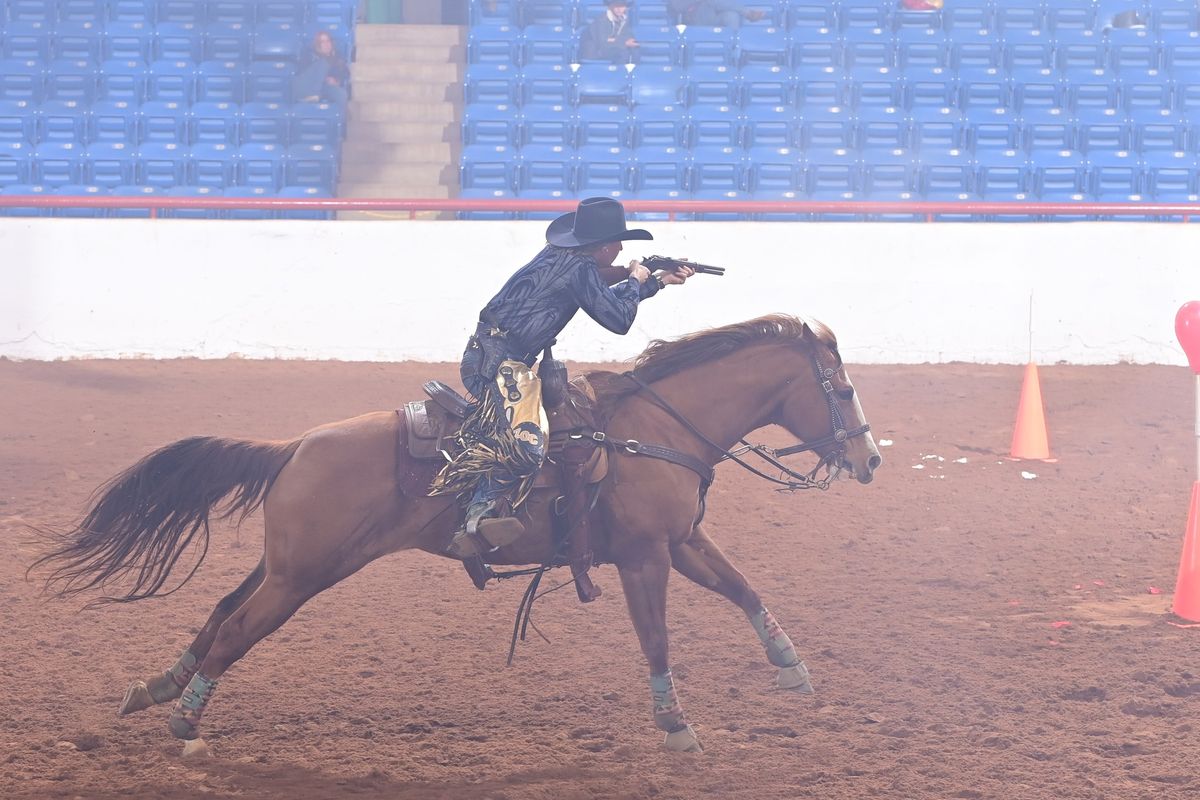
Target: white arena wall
[(410, 290)]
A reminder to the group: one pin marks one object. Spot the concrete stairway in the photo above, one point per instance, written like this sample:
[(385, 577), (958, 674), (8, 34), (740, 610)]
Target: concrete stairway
[(402, 137)]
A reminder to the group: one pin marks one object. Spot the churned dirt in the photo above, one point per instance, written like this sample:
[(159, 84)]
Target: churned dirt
[(975, 627)]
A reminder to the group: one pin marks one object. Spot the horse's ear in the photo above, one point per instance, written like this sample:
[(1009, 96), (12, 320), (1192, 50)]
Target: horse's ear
[(807, 331)]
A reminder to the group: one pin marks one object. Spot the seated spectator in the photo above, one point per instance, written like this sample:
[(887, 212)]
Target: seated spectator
[(322, 76), (714, 13), (607, 38), (921, 5)]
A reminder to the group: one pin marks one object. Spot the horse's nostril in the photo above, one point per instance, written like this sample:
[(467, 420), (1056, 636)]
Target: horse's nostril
[(874, 462)]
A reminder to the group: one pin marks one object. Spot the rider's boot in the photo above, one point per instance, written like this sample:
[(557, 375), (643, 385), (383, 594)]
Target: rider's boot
[(485, 531)]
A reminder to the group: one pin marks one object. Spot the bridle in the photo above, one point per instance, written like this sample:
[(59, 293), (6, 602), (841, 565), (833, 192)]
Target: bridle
[(789, 480)]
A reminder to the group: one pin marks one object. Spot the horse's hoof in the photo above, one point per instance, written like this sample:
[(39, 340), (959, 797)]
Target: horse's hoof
[(683, 741), (137, 698), (195, 748), (795, 678)]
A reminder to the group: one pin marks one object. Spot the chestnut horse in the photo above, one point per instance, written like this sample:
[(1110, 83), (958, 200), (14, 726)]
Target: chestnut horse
[(332, 504)]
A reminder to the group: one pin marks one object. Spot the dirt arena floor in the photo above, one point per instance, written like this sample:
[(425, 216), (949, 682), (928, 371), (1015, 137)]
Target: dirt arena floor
[(975, 627)]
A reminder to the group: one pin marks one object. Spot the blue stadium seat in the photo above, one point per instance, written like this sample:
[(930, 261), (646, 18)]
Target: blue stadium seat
[(183, 11), (545, 12), (219, 82), (1036, 88), (1091, 89), (127, 41), (658, 44), (492, 12), (275, 11), (546, 44), (544, 125), (969, 15), (214, 124), (867, 47), (875, 88), (815, 48), (1170, 176), (162, 122), (1149, 89), (1047, 129), (774, 14), (659, 126), (802, 15), (904, 20), (659, 169), (922, 49), (664, 194), (767, 46), (269, 82), (1181, 52), (133, 11), (713, 46), (945, 172), (122, 81), (713, 85), (77, 190), (1178, 16), (171, 82), (727, 195), (823, 88), (543, 84), (304, 192), (656, 86), (25, 41), (1101, 129), (71, 80), (1157, 129), (607, 84), (774, 169), (1083, 55), (32, 11), (316, 123), (248, 192), (600, 169), (489, 123), (177, 41), (14, 162), (495, 84), (191, 192), (1004, 176), (831, 173), (81, 11), (211, 164), (888, 170), (1059, 175), (712, 168), (972, 51), (61, 121), (130, 190), (982, 89), (264, 124), (563, 196), (488, 167), (929, 86), (161, 164), (876, 129), (1132, 49), (936, 128), (652, 12), (112, 121), (276, 42), (311, 165), (22, 189), (1064, 15), (770, 126), (225, 42), (76, 41), (1028, 49), (864, 14), (602, 126), (493, 44), (1010, 16), (56, 163), (766, 85), (109, 164), (714, 126), (16, 121), (260, 164), (236, 12), (782, 196), (324, 13), (487, 194), (1114, 176), (830, 127), (987, 130), (545, 167)]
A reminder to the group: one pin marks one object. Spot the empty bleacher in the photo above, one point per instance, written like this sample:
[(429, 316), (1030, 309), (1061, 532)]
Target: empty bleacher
[(178, 97), (850, 99)]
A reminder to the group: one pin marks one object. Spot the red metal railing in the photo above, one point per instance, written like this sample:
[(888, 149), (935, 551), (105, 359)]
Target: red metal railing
[(929, 211)]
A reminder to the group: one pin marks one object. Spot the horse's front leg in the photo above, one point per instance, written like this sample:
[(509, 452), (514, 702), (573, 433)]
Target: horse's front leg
[(645, 585), (699, 559)]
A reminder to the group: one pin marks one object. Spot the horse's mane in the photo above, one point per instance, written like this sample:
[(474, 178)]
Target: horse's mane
[(663, 358)]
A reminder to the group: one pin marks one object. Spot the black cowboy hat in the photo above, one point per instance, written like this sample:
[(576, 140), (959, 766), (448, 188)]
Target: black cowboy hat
[(595, 221)]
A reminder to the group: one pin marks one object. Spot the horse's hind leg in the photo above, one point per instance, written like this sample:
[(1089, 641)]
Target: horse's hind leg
[(170, 684), (699, 559)]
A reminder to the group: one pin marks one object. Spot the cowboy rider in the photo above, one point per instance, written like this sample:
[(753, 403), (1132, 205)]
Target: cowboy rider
[(505, 439)]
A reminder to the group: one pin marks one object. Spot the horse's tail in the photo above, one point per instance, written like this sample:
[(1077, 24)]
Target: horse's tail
[(144, 519)]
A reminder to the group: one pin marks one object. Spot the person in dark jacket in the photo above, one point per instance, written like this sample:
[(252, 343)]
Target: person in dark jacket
[(505, 438), (714, 13), (323, 74), (608, 37)]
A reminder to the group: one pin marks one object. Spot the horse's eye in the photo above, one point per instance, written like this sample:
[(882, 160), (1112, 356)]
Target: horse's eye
[(845, 394)]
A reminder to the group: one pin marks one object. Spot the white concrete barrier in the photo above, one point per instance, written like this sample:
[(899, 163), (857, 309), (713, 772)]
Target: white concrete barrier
[(382, 291)]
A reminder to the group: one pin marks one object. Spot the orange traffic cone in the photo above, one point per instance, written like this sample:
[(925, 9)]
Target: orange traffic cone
[(1187, 585), (1029, 435)]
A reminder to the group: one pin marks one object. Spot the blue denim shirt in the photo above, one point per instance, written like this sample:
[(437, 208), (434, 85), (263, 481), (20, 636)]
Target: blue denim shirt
[(540, 299)]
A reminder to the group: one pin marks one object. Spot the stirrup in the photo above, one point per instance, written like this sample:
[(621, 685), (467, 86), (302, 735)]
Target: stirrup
[(482, 534)]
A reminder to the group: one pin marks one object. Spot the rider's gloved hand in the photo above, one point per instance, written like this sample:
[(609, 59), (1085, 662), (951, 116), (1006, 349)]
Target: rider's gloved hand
[(638, 272)]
